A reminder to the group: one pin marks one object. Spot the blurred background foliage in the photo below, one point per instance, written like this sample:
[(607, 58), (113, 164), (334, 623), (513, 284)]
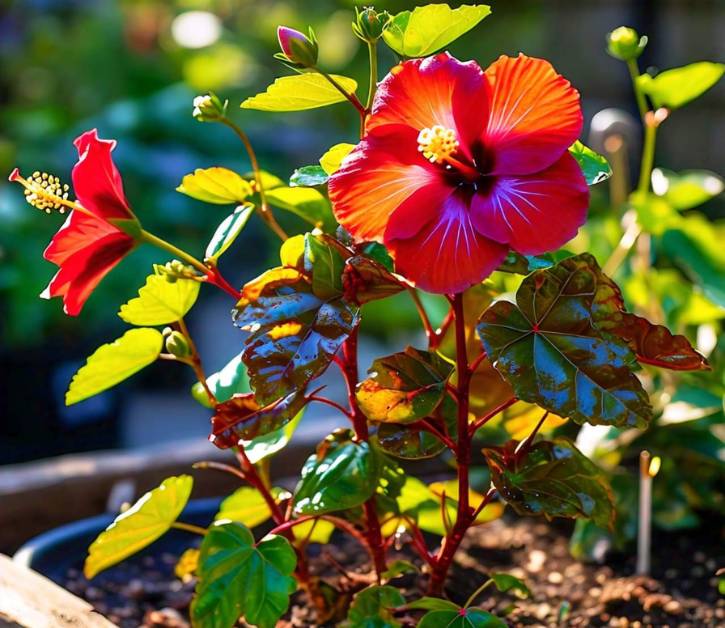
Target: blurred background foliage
[(132, 67)]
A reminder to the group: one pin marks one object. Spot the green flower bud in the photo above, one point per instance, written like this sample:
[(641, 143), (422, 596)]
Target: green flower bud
[(625, 43), (369, 24), (208, 108), (176, 344), (297, 50)]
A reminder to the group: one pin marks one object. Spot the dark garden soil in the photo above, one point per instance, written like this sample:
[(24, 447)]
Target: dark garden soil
[(681, 592)]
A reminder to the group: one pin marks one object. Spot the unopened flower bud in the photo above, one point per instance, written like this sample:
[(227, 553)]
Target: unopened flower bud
[(625, 43), (369, 24), (297, 49), (209, 108), (177, 345)]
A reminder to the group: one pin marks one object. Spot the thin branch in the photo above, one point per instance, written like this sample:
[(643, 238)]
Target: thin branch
[(480, 422)]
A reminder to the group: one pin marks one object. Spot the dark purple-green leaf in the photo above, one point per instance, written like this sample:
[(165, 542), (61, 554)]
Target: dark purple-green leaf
[(553, 479), (551, 352)]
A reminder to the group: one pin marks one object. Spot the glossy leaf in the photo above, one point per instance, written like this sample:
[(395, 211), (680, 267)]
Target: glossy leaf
[(114, 362), (678, 86), (342, 474), (372, 608), (553, 479), (331, 160), (299, 92), (686, 189), (324, 263), (293, 333), (365, 280), (240, 579), (433, 604), (403, 387), (427, 29), (139, 526), (161, 301), (652, 344), (308, 176), (408, 442), (227, 232), (247, 506), (595, 167), (307, 203), (461, 618), (242, 418), (224, 384), (215, 185), (264, 446), (292, 252), (549, 349)]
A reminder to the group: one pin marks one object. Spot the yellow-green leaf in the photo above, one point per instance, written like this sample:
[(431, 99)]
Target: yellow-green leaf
[(299, 92), (332, 159), (314, 531), (147, 520), (113, 362), (187, 564), (215, 185), (161, 301), (678, 86), (307, 203), (427, 29), (246, 505)]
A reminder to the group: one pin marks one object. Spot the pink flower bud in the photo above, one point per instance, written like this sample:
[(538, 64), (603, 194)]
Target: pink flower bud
[(296, 47)]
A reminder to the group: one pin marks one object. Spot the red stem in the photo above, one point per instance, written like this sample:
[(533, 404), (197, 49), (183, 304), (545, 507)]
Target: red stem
[(360, 424), (480, 422), (331, 403), (216, 278), (464, 514)]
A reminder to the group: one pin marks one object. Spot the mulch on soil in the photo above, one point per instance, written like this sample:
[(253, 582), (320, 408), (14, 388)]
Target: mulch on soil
[(682, 590)]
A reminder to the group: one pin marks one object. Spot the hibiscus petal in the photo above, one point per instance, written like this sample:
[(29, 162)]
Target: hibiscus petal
[(78, 231), (96, 180), (421, 93), (380, 173), (82, 271), (535, 115), (534, 213), (447, 255)]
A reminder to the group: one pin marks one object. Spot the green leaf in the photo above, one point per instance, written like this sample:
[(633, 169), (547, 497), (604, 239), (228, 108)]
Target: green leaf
[(675, 88), (224, 384), (549, 349), (403, 387), (243, 419), (147, 520), (299, 92), (407, 442), (161, 301), (505, 582), (227, 232), (427, 29), (372, 608), (696, 247), (595, 167), (342, 474), (654, 214), (247, 506), (399, 568), (240, 579), (307, 203), (324, 263), (554, 479), (687, 189), (264, 446), (293, 334), (332, 159), (308, 176), (461, 618), (433, 604), (112, 363), (215, 185)]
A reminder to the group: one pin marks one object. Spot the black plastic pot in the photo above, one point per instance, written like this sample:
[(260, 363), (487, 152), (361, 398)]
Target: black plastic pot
[(63, 548)]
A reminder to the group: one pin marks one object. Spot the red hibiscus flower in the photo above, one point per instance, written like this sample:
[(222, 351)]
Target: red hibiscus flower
[(90, 244), (459, 165)]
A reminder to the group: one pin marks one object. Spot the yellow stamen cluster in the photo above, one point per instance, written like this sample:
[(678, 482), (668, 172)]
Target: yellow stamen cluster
[(46, 192), (437, 143)]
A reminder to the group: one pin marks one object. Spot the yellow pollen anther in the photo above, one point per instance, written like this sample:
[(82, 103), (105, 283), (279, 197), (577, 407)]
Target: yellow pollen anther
[(45, 192), (437, 143)]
